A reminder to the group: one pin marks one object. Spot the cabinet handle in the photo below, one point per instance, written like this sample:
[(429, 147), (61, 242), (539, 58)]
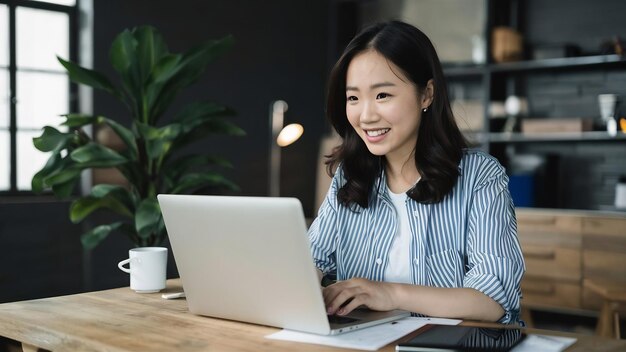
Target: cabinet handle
[(544, 254)]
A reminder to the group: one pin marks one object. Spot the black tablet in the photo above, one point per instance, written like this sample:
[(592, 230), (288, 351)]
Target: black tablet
[(462, 338)]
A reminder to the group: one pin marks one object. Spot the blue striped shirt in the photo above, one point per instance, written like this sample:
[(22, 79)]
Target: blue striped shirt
[(469, 239)]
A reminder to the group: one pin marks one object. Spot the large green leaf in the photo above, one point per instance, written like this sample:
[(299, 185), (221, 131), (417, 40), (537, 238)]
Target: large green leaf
[(64, 189), (92, 238), (52, 139), (63, 176), (88, 77), (165, 69), (159, 140), (52, 165), (97, 155), (194, 181), (123, 52), (84, 206), (147, 218), (120, 193), (78, 120), (102, 190), (123, 57), (151, 48), (114, 197)]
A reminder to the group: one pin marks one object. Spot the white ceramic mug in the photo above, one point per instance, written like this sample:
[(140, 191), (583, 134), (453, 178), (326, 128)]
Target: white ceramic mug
[(607, 104), (147, 266)]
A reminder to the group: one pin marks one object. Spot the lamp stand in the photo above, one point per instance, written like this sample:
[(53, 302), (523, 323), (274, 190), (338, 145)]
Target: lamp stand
[(277, 115)]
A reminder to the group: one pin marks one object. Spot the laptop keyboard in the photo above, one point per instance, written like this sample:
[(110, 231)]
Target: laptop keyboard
[(336, 319)]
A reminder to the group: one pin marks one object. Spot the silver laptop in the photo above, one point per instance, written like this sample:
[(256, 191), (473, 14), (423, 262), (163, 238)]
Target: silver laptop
[(248, 259)]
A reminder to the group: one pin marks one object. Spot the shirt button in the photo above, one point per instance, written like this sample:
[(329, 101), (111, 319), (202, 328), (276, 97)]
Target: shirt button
[(416, 261), (416, 213), (379, 261)]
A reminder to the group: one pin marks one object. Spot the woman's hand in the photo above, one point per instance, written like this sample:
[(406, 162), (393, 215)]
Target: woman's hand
[(344, 296)]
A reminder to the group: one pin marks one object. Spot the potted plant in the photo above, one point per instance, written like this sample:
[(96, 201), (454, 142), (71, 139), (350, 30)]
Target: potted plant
[(151, 160)]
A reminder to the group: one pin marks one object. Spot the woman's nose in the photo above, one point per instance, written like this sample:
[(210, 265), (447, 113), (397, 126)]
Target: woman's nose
[(368, 114)]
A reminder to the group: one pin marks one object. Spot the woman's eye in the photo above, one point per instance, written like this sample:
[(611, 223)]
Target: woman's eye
[(352, 98), (382, 95)]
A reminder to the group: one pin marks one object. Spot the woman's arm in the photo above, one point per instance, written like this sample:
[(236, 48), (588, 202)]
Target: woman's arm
[(463, 303), (323, 231)]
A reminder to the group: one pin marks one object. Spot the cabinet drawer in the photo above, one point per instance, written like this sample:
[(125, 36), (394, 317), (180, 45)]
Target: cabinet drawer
[(605, 234), (604, 265), (547, 222), (538, 292), (562, 264), (611, 226)]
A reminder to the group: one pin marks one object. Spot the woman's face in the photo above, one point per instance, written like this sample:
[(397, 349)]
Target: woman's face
[(383, 106)]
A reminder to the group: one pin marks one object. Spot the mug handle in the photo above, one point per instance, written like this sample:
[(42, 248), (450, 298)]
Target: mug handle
[(121, 265)]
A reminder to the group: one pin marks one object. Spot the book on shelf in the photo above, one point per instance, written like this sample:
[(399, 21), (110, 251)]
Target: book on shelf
[(556, 125)]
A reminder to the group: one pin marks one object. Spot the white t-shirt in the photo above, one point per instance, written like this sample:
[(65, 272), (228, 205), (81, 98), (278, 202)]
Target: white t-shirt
[(398, 269)]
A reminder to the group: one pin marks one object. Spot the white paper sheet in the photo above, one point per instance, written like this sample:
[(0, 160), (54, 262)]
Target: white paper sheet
[(533, 343), (369, 339)]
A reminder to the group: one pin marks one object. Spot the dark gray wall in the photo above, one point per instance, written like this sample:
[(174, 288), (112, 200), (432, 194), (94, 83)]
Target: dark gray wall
[(41, 251), (581, 22)]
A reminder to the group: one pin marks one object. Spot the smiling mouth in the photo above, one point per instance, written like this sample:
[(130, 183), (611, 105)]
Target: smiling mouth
[(376, 133)]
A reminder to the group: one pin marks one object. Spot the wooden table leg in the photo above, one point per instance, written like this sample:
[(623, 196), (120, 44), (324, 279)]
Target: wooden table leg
[(29, 348), (616, 327), (605, 320)]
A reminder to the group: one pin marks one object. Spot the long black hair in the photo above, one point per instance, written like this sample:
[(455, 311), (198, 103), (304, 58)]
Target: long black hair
[(440, 144)]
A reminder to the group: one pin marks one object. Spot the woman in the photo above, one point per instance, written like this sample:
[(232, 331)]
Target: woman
[(413, 219)]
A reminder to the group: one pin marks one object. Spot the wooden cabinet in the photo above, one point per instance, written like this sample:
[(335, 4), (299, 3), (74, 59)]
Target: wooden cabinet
[(552, 250), (563, 248)]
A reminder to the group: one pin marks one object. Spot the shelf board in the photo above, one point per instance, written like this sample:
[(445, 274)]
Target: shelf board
[(464, 70), (559, 63), (477, 70), (554, 137)]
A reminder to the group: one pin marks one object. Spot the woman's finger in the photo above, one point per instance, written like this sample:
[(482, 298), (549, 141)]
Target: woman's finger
[(341, 299), (355, 302)]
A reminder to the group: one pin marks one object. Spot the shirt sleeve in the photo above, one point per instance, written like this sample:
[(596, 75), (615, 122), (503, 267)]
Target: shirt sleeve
[(323, 231), (495, 260)]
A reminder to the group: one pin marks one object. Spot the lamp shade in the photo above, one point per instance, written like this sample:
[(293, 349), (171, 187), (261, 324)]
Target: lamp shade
[(289, 134)]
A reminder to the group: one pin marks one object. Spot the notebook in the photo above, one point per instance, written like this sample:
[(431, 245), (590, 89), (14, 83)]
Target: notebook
[(248, 259)]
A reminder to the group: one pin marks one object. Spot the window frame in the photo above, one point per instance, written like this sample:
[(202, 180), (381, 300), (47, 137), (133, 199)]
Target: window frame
[(73, 16)]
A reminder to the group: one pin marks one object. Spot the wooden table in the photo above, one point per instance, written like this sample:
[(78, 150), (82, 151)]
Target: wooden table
[(122, 320)]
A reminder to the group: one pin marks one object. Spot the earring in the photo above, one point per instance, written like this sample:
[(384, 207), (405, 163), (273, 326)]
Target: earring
[(425, 109)]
